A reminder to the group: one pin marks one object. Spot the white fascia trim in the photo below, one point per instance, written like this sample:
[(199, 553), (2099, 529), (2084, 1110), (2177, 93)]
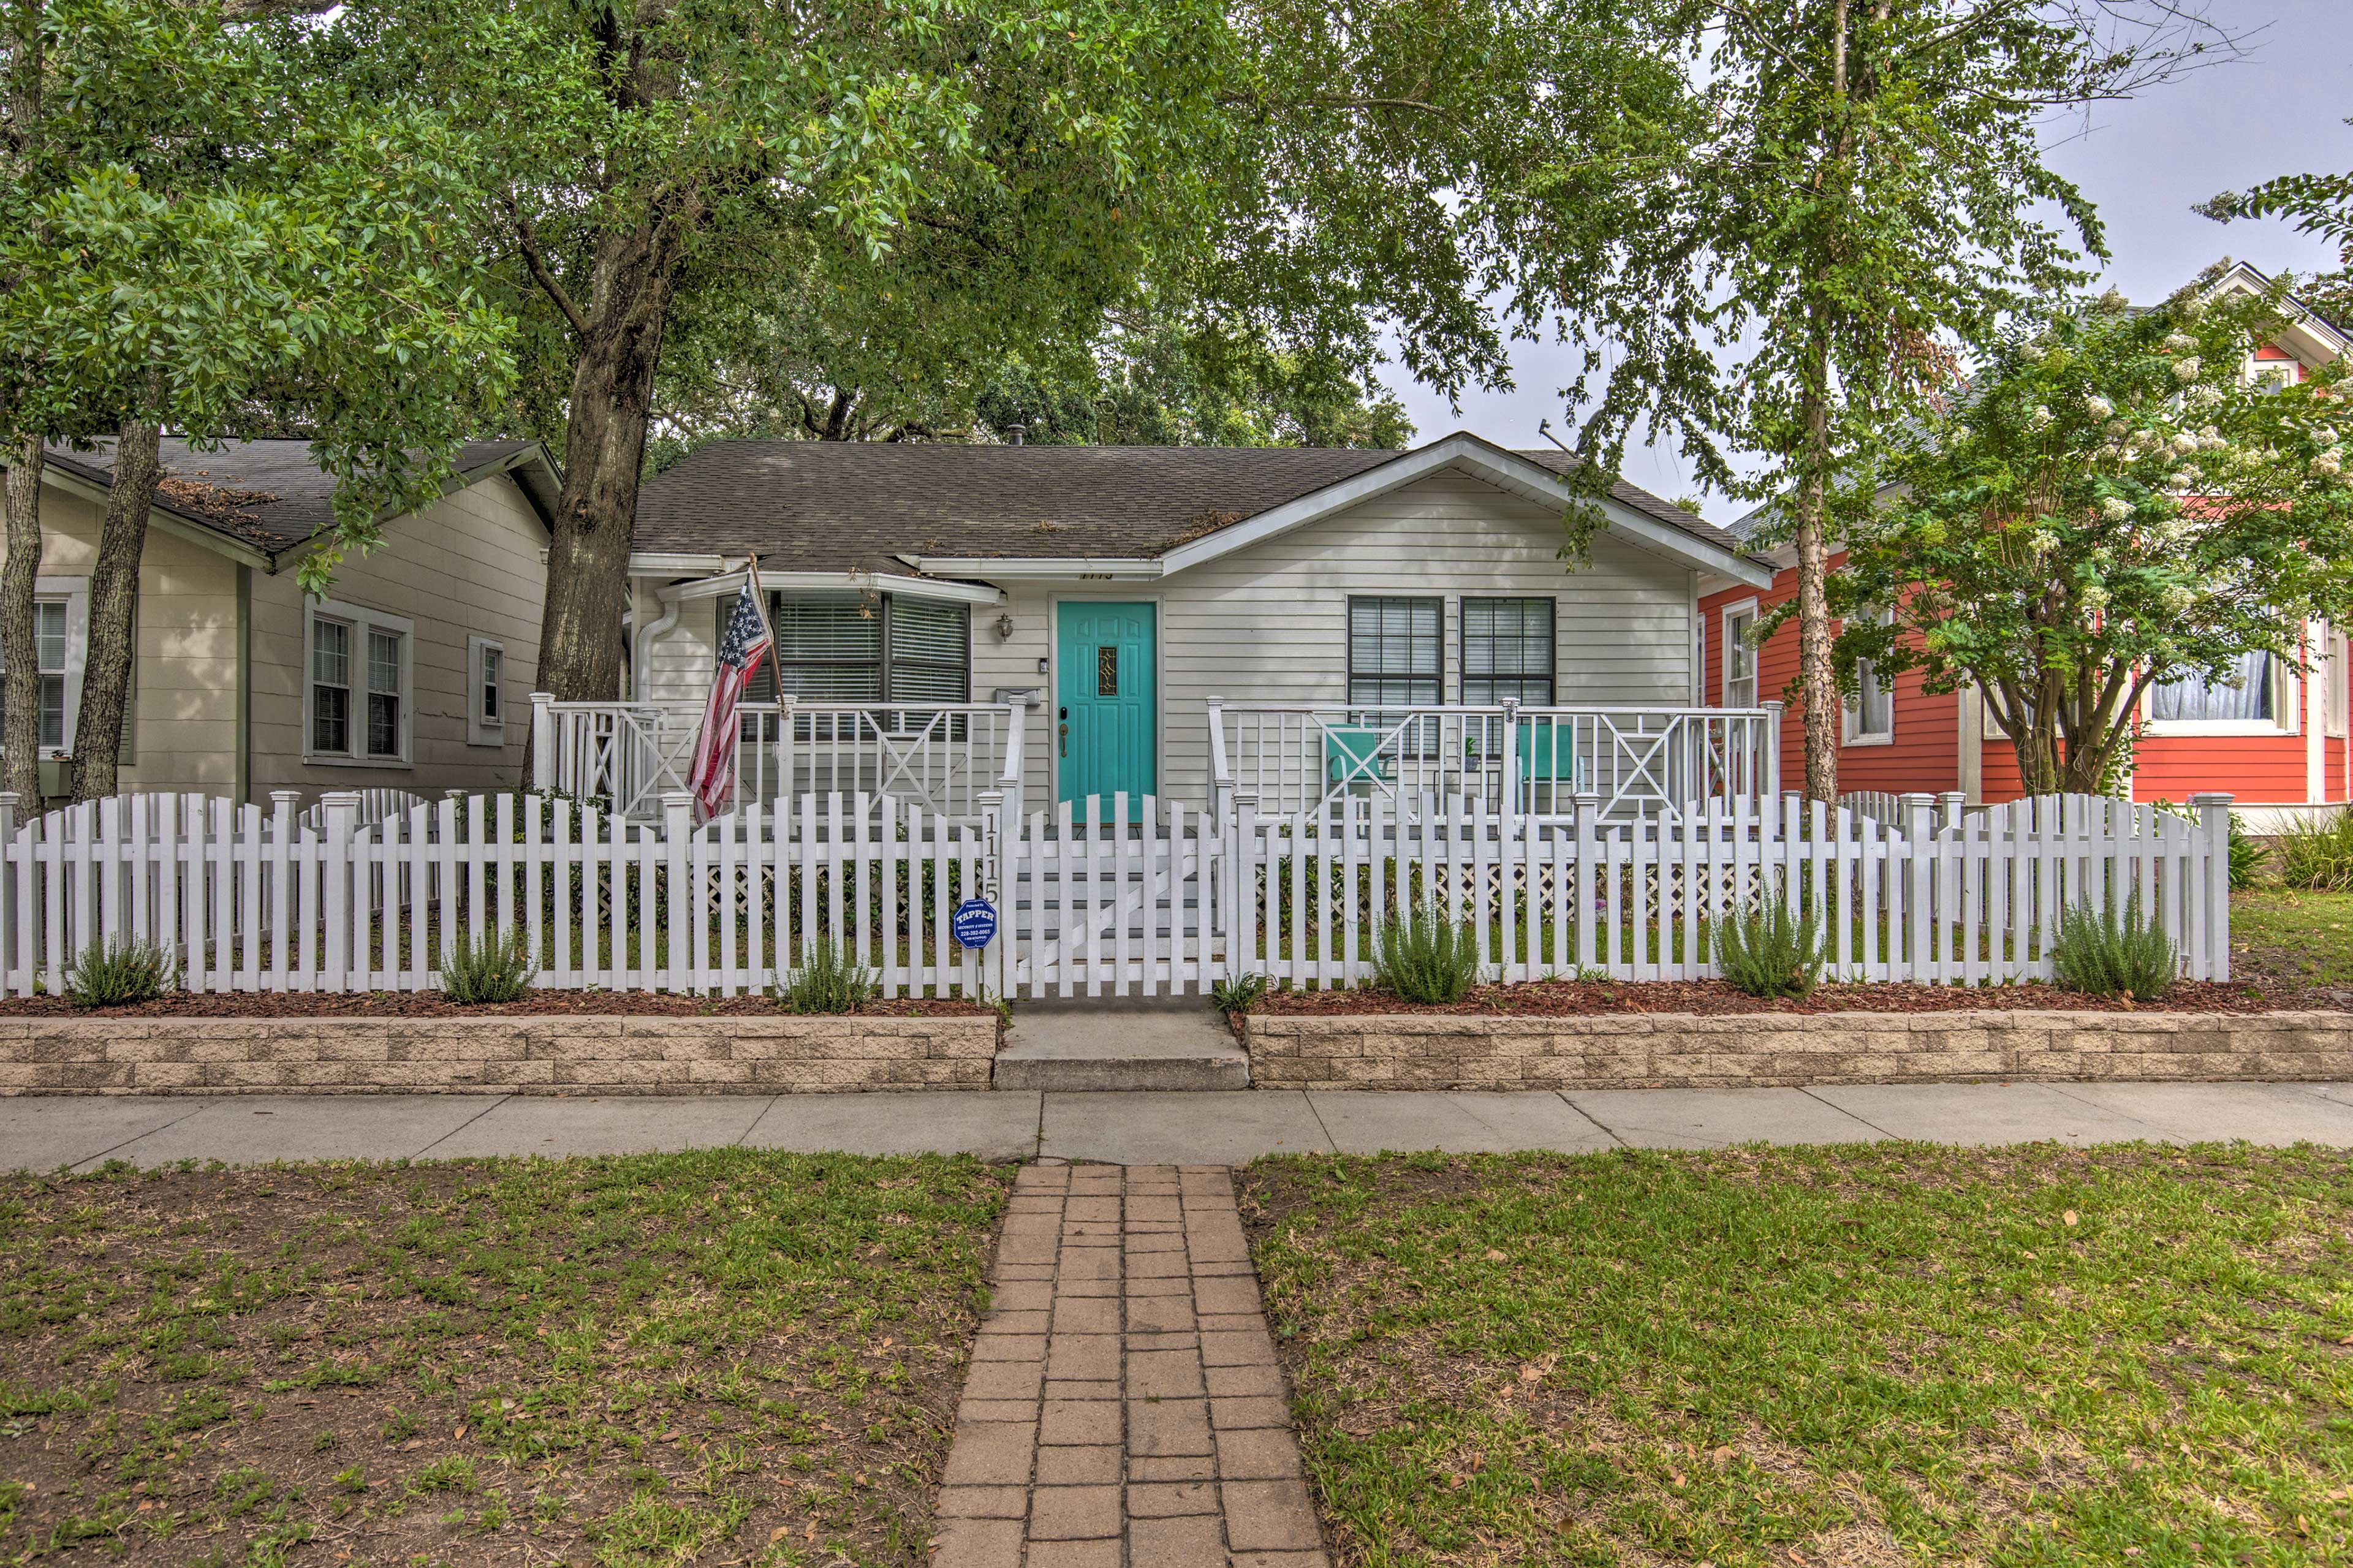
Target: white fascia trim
[(645, 563), (2325, 335), (724, 584), (1483, 461), (1040, 568)]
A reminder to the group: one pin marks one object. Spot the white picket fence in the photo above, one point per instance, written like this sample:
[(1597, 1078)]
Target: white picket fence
[(1941, 898), (1106, 898)]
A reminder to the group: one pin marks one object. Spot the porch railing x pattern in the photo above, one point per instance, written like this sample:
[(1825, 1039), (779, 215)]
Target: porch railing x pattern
[(1518, 759), (628, 755)]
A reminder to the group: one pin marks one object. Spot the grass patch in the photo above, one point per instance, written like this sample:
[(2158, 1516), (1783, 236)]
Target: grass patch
[(725, 1355), (2284, 935), (1884, 1355)]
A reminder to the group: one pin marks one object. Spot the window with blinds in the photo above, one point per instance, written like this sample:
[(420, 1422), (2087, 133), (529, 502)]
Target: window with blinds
[(1507, 651), (1394, 651), (850, 647)]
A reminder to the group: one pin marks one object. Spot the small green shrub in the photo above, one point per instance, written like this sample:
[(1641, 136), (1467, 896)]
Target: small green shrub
[(1424, 958), (499, 970), (2247, 857), (1240, 995), (118, 975), (830, 981), (1766, 951), (2314, 855), (2100, 956)]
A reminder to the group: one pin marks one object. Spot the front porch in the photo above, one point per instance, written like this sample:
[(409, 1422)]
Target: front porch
[(1290, 760)]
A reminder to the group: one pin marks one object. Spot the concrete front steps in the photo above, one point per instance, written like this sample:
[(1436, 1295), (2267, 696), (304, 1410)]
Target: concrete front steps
[(1082, 1046)]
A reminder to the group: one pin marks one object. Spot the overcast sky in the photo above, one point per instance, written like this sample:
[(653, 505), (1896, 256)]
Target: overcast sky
[(2144, 164)]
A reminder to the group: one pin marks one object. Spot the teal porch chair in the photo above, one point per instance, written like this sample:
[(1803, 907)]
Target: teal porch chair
[(1353, 755), (1549, 765)]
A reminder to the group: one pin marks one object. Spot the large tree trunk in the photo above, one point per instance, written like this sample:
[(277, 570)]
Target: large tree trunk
[(20, 671), (113, 610), (604, 448)]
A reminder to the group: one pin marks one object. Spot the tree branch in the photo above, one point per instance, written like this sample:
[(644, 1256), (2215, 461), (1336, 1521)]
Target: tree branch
[(541, 274)]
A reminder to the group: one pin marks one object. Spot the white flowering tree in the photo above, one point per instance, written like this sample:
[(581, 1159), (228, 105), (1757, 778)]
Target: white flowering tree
[(2111, 504)]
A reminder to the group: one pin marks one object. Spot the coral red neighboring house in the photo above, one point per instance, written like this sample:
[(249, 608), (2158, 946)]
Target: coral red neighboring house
[(2277, 742)]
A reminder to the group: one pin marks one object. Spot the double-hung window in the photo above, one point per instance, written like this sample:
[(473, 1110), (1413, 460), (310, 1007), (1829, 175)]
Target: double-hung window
[(1507, 652), (1739, 657), (1871, 712), (60, 643), (1395, 652), (485, 703), (357, 689), (866, 648)]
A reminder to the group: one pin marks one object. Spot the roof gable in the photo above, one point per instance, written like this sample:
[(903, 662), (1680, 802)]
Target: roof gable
[(262, 499)]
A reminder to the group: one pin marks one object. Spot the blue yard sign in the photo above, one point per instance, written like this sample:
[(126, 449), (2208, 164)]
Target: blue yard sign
[(973, 923)]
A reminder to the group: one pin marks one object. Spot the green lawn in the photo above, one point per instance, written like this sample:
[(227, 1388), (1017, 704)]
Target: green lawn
[(2301, 939), (1859, 1356), (727, 1355)]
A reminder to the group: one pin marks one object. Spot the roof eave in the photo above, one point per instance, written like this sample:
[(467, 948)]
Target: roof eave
[(1130, 568), (92, 485)]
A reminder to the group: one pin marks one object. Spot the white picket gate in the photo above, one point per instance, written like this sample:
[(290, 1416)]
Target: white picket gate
[(1107, 897), (1099, 899)]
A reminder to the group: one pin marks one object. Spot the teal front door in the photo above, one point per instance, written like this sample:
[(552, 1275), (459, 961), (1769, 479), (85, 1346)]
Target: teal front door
[(1106, 701)]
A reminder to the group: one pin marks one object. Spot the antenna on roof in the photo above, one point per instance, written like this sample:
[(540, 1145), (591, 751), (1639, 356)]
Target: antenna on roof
[(1543, 428)]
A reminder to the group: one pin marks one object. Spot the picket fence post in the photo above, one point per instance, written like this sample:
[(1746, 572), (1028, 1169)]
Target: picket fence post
[(1919, 833), (996, 964), (678, 822), (1241, 884), (8, 913), (2214, 820), (1587, 805), (542, 740), (343, 812)]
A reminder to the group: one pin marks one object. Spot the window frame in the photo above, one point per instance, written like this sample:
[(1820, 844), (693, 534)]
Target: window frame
[(1551, 676), (1850, 729), (884, 663), (1436, 675), (1725, 617), (2335, 709), (481, 731), (2285, 720), (73, 592), (363, 623)]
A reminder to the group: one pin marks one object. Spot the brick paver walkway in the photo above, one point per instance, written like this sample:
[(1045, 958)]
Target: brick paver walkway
[(1124, 1409)]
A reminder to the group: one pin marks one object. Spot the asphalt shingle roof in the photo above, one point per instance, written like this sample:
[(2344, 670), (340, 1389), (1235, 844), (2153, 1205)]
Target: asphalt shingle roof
[(835, 506), (268, 495)]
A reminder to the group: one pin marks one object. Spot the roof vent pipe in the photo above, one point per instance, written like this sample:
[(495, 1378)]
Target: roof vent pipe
[(1014, 433)]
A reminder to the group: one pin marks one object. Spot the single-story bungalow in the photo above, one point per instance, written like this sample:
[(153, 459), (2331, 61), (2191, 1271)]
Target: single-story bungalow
[(1117, 591), (415, 674)]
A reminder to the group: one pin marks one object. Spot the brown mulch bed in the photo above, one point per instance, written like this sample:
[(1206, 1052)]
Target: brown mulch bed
[(1578, 998), (725, 1356), (435, 1005)]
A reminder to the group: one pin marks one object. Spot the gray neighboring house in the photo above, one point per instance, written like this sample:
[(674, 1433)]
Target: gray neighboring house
[(414, 674)]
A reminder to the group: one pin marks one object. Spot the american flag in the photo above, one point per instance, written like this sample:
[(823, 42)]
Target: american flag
[(746, 641)]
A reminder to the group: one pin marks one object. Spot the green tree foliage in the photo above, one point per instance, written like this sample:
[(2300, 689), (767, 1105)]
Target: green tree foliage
[(880, 210), (1161, 385), (1849, 191), (2112, 506)]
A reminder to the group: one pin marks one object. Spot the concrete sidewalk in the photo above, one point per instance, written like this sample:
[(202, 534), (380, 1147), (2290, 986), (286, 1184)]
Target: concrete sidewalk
[(45, 1132)]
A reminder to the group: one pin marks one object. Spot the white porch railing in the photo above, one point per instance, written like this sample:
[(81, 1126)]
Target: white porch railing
[(941, 756), (1297, 757)]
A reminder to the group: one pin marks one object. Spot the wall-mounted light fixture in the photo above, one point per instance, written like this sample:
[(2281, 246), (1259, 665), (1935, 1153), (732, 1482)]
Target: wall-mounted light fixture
[(1005, 628)]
